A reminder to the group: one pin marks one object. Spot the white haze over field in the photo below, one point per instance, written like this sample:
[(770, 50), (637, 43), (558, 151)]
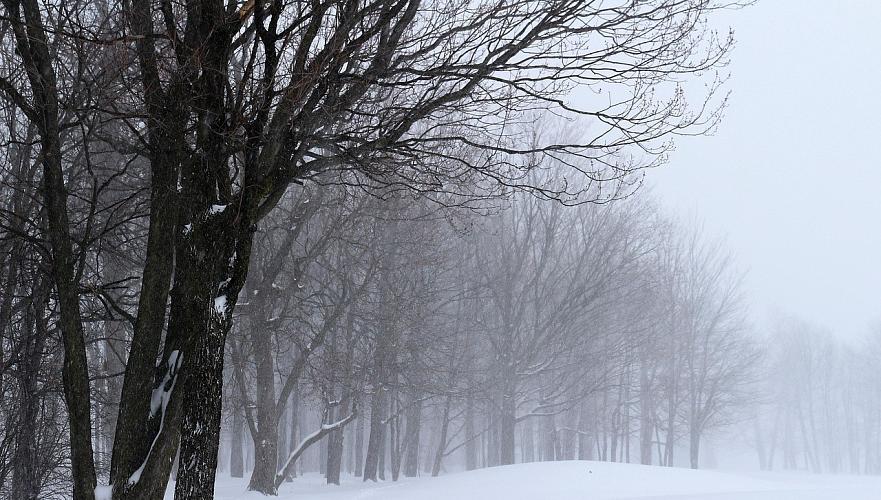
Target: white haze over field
[(791, 178), (575, 480)]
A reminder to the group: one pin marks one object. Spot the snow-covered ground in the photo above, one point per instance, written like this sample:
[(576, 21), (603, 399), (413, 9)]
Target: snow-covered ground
[(577, 480)]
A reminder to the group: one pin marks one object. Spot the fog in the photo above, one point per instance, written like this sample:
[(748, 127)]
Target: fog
[(791, 177), (437, 249)]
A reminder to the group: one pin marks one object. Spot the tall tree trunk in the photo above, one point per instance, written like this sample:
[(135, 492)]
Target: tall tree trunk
[(33, 45), (137, 425), (200, 427), (266, 439)]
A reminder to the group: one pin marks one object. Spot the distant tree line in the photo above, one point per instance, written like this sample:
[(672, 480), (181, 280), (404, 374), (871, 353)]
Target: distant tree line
[(821, 401)]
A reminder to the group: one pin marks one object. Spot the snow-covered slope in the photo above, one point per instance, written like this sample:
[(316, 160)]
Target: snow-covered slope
[(578, 480)]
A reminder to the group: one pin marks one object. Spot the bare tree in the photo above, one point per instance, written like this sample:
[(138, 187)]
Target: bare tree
[(214, 109)]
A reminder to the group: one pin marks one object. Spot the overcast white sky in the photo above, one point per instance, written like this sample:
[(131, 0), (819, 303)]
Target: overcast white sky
[(792, 177)]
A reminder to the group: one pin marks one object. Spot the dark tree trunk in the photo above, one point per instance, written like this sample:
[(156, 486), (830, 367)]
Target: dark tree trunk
[(32, 44), (334, 457), (135, 434), (200, 427)]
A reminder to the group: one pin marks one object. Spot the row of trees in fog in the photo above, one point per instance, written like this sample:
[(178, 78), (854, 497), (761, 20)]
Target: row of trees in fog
[(821, 406), (346, 226), (539, 332), (389, 337)]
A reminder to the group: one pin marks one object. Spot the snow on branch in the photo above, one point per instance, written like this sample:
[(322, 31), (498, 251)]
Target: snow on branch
[(306, 443)]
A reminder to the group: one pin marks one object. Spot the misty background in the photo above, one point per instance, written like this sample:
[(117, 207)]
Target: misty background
[(791, 177)]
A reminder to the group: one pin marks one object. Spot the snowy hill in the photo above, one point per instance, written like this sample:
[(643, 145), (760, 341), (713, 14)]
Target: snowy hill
[(578, 480)]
